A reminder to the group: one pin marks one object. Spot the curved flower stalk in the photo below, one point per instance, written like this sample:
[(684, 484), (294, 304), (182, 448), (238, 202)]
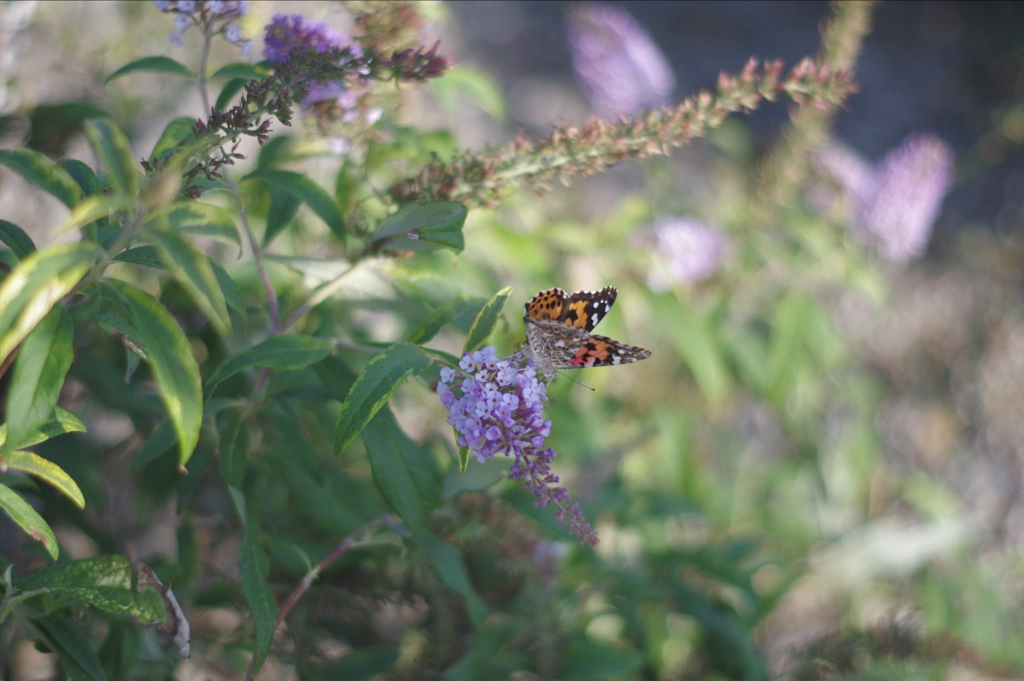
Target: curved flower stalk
[(496, 406), (618, 63), (483, 178), (895, 203)]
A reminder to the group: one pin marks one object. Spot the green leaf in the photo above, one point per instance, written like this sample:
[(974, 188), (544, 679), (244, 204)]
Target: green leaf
[(788, 351), (471, 83), (47, 471), (307, 191), (112, 148), (446, 357), (83, 175), (241, 70), (25, 517), (586, 661), (228, 92), (445, 314), (142, 255), (193, 217), (232, 294), (159, 441), (452, 571), (170, 356), (32, 288), (66, 422), (94, 208), (374, 387), (73, 649), (485, 322), (104, 582), (255, 568), (192, 270), (16, 239), (407, 475), (438, 222), (288, 351), (695, 341), (38, 375), (234, 449), (43, 173), (283, 208), (152, 65), (177, 131)]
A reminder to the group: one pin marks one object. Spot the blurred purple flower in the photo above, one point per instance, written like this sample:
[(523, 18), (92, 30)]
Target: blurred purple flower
[(290, 32), (617, 62), (496, 406), (233, 33), (186, 5), (162, 4), (687, 250), (893, 205), (215, 6)]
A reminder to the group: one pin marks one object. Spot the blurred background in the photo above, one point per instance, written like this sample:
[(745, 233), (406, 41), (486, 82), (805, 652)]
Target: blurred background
[(843, 427)]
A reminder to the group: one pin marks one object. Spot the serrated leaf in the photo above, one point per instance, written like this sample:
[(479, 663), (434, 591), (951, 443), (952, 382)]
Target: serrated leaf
[(170, 356), (43, 173), (255, 568), (446, 357), (16, 239), (280, 352), (306, 190), (104, 582), (32, 288), (192, 270), (193, 217), (485, 322), (407, 475), (113, 150), (152, 65), (73, 649), (45, 470), (241, 70), (445, 314), (374, 387), (177, 131), (437, 222), (25, 517), (38, 375)]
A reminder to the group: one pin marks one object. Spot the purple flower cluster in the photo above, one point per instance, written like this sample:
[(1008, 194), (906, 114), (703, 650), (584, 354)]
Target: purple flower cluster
[(687, 250), (215, 16), (617, 62), (496, 406), (290, 32), (895, 203), (288, 35)]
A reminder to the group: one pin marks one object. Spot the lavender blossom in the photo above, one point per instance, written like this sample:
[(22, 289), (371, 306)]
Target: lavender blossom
[(619, 65), (688, 252), (213, 16), (894, 204), (287, 33), (496, 406)]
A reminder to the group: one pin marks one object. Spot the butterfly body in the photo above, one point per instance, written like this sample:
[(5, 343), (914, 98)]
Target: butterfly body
[(558, 329)]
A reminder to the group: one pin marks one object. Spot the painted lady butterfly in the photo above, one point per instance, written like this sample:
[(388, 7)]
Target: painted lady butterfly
[(558, 330)]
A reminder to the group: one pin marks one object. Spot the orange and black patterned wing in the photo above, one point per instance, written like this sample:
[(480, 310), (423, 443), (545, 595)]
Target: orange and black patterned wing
[(585, 309), (547, 305)]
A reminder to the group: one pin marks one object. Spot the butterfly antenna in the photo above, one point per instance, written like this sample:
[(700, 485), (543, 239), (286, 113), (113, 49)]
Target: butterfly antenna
[(582, 384)]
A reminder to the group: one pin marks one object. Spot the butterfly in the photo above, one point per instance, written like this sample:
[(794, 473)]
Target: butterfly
[(558, 330)]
